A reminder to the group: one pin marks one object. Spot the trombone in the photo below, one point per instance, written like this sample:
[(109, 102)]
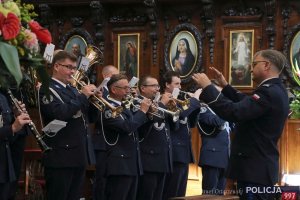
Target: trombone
[(99, 102)]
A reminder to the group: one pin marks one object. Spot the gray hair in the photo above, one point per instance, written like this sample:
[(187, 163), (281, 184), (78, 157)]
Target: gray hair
[(275, 57)]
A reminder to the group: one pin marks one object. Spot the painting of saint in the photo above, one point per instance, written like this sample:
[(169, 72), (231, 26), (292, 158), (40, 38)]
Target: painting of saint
[(128, 59), (183, 53), (240, 58)]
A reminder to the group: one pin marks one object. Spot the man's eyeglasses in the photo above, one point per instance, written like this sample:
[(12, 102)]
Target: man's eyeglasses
[(70, 67), (124, 88), (254, 63), (153, 85)]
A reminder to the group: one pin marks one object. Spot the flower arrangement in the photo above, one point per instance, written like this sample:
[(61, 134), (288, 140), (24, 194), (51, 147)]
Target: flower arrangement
[(20, 35)]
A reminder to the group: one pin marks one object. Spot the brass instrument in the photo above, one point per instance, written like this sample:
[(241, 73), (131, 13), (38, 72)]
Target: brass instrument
[(39, 137), (80, 80), (94, 56), (185, 104), (159, 111), (96, 101)]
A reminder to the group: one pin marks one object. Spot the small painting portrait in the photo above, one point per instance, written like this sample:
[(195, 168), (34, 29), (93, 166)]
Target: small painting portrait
[(128, 54), (183, 53), (77, 45), (241, 53)]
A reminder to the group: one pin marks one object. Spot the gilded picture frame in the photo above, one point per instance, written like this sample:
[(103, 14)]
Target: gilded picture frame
[(183, 51), (128, 54), (76, 40), (241, 50)]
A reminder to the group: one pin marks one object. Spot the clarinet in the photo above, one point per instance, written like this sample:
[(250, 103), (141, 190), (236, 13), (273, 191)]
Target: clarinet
[(39, 138)]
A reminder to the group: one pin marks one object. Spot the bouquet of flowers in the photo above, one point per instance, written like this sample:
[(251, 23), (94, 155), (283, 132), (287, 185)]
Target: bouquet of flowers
[(19, 42)]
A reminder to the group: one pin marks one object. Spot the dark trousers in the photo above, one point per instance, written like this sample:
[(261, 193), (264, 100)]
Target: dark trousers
[(64, 183), (100, 179), (249, 191), (213, 180), (175, 183), (120, 187), (151, 186), (4, 191)]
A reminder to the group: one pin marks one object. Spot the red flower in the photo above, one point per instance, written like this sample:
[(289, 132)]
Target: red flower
[(9, 26), (41, 33)]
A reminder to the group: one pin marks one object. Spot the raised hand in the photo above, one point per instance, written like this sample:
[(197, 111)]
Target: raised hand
[(201, 80), (219, 77)]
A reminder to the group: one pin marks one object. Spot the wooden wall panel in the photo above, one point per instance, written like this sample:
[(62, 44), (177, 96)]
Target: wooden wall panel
[(290, 148)]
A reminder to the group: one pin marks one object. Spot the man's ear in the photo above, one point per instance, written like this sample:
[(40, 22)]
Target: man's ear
[(55, 67), (167, 85)]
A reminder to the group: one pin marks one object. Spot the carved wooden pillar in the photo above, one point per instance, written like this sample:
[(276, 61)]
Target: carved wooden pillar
[(45, 15), (152, 15), (285, 15), (270, 29), (207, 17), (97, 20)]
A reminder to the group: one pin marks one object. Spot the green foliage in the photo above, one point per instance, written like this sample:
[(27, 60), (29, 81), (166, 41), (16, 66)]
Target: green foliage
[(295, 105)]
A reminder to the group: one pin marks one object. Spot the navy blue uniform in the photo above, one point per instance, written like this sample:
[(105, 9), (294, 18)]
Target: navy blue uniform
[(71, 147), (156, 153), (260, 120), (11, 151), (100, 151), (123, 162), (176, 182), (214, 153)]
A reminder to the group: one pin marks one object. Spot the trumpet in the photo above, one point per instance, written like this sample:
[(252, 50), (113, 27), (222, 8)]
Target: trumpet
[(99, 102), (158, 111), (39, 137)]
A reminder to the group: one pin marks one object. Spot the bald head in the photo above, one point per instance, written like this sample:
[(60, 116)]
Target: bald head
[(109, 70)]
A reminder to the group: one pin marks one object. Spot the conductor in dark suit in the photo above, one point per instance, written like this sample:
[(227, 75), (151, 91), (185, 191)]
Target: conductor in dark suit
[(214, 153), (123, 162), (259, 120), (71, 150)]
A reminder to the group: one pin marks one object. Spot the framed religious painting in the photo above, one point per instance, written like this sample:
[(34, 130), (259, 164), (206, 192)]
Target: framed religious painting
[(291, 49), (128, 54), (77, 45), (76, 41), (241, 50), (183, 51), (294, 57)]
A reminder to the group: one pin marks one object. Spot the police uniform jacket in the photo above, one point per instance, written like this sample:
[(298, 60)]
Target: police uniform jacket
[(123, 156), (181, 137), (71, 146), (11, 146), (156, 145), (260, 120), (96, 116), (215, 140)]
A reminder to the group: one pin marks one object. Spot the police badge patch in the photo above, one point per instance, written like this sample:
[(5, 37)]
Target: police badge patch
[(45, 100), (107, 114), (203, 109)]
